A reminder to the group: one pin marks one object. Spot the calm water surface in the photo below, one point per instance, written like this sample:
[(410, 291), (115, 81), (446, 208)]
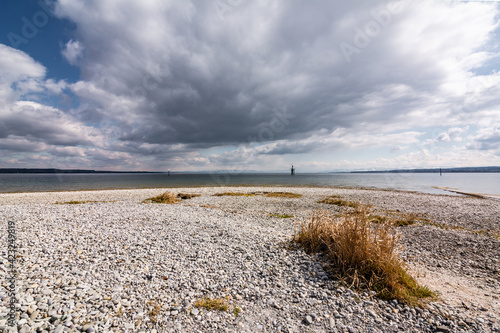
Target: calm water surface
[(486, 183)]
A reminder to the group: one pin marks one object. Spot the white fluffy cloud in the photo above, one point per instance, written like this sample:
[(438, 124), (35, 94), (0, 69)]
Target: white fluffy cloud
[(73, 51), (19, 73)]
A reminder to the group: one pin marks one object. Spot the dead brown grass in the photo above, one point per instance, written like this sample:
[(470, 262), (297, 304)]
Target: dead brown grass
[(185, 196), (362, 254), (167, 198), (154, 311), (74, 202), (208, 303), (208, 206), (397, 220), (283, 195), (234, 194), (338, 201)]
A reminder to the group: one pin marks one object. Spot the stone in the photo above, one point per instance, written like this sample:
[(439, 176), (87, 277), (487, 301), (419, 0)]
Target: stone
[(59, 329)]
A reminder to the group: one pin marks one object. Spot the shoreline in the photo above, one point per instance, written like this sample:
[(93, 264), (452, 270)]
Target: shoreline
[(203, 243), (447, 192)]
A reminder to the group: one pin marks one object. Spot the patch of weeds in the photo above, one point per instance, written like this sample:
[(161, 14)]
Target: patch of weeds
[(119, 312), (236, 311), (154, 312), (209, 206), (491, 233), (377, 218), (283, 195), (406, 219), (219, 304), (74, 202), (187, 195), (397, 218), (234, 194), (167, 198), (338, 201), (284, 216), (362, 254)]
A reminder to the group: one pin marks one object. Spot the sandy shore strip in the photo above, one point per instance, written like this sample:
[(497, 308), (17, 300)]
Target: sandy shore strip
[(473, 194), (112, 263)]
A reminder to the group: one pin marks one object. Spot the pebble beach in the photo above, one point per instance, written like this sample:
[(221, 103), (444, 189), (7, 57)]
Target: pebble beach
[(112, 263)]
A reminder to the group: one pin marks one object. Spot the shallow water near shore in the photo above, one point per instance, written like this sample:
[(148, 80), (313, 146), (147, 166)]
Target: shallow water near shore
[(481, 183)]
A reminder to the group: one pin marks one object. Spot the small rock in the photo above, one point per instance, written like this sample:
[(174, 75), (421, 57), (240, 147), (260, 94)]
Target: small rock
[(59, 329), (308, 320), (130, 326), (86, 327)]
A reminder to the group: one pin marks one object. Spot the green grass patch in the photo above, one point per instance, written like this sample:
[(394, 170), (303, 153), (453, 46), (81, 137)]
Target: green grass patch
[(284, 216), (236, 311), (218, 304)]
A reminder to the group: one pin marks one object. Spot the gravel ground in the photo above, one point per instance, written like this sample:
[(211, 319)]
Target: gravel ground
[(117, 264)]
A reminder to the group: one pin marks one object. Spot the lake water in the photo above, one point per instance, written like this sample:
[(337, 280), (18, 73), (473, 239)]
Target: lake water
[(485, 183)]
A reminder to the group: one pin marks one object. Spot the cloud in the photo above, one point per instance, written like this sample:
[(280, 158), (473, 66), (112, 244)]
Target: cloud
[(162, 81), (73, 51), (28, 126), (190, 77), (19, 73), (487, 139)]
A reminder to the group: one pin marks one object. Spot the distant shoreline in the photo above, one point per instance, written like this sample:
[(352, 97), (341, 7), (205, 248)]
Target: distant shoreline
[(51, 171), (493, 169), (489, 169)]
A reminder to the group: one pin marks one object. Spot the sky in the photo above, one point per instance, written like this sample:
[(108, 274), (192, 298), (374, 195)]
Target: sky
[(240, 85)]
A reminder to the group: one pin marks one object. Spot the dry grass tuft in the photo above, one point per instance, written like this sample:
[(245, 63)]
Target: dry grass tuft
[(362, 254), (154, 311), (236, 311), (335, 200), (187, 195), (208, 206), (74, 202), (397, 219), (406, 219), (283, 195), (283, 216), (167, 198), (234, 194), (219, 304)]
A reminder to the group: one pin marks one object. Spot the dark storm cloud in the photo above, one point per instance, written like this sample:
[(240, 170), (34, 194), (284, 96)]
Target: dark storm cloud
[(190, 77)]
